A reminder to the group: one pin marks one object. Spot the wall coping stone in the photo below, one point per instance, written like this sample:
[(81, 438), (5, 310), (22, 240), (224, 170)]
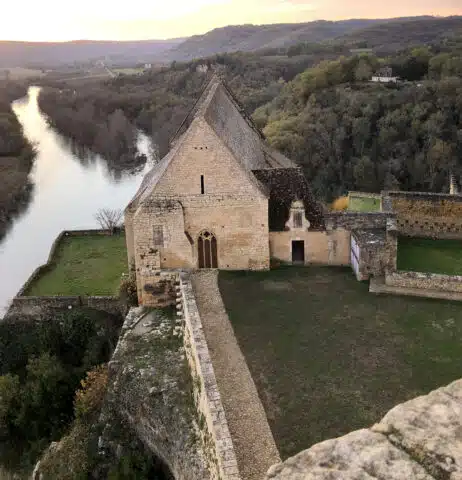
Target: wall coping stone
[(423, 195), (424, 281), (376, 196), (426, 276)]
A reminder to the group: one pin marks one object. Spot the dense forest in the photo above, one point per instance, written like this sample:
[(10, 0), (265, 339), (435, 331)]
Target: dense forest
[(16, 157), (350, 134), (111, 135), (41, 365)]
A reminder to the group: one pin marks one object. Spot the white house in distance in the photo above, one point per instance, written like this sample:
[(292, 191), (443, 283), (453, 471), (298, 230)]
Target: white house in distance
[(385, 75)]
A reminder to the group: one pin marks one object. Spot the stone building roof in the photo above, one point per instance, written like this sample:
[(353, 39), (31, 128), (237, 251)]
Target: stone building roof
[(222, 112), (375, 237)]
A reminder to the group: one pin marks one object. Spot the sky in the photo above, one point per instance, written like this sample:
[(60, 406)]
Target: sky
[(58, 20)]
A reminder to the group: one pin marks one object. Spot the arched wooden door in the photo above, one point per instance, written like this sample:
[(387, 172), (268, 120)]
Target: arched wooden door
[(207, 250)]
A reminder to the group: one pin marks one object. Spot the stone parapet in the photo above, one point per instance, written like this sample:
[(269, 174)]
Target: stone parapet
[(426, 281), (207, 395), (29, 305)]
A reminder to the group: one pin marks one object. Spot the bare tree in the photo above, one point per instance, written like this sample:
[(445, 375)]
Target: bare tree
[(109, 219)]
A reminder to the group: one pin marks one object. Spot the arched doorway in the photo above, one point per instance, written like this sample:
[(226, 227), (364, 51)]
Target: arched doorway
[(207, 250)]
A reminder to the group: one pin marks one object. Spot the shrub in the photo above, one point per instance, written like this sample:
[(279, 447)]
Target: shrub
[(89, 398), (128, 292), (340, 204)]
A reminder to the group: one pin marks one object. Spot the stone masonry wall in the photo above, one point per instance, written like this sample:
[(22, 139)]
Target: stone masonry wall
[(324, 248), (129, 236), (158, 289), (356, 220), (203, 153), (233, 207), (430, 281), (421, 214), (223, 463), (376, 258), (240, 225)]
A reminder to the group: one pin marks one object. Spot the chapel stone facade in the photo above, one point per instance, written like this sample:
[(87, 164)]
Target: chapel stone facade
[(212, 201)]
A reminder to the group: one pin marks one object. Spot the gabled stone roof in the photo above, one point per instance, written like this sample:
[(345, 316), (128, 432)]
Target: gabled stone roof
[(219, 108)]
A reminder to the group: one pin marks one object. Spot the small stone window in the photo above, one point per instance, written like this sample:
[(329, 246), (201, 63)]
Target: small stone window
[(158, 235), (298, 219), (202, 185)]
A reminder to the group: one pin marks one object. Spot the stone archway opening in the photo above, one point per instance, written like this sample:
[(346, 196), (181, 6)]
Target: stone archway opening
[(207, 250)]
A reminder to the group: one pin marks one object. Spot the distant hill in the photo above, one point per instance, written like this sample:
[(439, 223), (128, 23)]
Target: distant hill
[(398, 34), (249, 38), (383, 34), (50, 54)]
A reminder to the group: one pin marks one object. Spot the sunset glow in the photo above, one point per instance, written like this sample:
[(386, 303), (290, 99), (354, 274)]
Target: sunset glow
[(53, 20)]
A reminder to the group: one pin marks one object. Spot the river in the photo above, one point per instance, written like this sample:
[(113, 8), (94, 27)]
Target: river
[(68, 190)]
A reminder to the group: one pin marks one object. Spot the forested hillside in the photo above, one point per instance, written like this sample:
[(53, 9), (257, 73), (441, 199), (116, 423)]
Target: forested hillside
[(388, 35), (158, 101), (16, 155), (394, 36), (350, 134), (248, 38)]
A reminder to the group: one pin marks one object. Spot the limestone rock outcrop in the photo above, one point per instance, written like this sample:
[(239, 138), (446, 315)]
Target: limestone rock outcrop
[(151, 391), (417, 440)]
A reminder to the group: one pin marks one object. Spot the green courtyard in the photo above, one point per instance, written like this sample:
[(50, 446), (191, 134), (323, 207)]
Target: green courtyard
[(328, 357), (84, 265), (364, 204), (428, 255)]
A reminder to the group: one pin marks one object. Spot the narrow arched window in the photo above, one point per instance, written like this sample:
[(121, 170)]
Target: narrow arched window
[(207, 250)]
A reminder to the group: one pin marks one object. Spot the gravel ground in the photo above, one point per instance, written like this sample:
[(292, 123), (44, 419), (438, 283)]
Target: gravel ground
[(253, 441)]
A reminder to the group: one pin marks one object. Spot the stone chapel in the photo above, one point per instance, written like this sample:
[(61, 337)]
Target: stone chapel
[(221, 198)]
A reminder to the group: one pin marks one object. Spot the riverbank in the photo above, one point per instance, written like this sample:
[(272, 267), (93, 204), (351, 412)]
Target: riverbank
[(15, 189), (16, 158), (68, 189)]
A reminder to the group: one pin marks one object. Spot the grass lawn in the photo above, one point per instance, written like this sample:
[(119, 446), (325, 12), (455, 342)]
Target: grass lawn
[(328, 357), (363, 204), (427, 255), (86, 265)]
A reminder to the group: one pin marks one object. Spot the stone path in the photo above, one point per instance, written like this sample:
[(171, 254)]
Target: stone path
[(378, 285), (253, 441)]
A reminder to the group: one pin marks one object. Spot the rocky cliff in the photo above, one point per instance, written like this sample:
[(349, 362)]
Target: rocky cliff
[(151, 390), (420, 439)]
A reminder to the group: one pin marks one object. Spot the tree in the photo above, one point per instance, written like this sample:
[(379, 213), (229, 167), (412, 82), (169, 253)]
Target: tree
[(363, 71), (109, 219), (9, 397)]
